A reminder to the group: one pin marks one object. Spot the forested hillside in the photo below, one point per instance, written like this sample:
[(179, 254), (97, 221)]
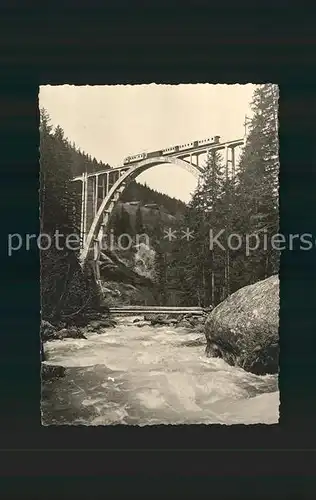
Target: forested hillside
[(146, 195), (80, 162), (66, 292)]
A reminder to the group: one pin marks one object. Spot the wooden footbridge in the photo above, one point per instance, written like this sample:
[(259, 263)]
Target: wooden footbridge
[(141, 310)]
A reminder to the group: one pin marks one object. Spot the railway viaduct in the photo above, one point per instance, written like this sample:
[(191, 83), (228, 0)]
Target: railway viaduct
[(100, 191)]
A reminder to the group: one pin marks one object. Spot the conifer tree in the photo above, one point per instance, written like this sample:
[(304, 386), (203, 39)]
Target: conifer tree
[(65, 290), (256, 210), (197, 262), (245, 205), (160, 262)]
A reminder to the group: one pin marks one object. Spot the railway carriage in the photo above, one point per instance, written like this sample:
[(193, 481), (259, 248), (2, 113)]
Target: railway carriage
[(209, 141), (184, 147), (139, 157), (135, 158), (168, 151), (190, 145), (172, 150), (152, 154)]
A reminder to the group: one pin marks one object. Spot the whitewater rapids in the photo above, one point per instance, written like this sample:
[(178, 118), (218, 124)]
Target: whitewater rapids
[(149, 376)]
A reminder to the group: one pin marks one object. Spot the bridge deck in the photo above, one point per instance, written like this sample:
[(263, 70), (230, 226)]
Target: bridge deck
[(177, 154)]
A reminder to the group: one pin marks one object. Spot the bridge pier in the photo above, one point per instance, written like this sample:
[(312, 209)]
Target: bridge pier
[(226, 162), (91, 187), (96, 190), (82, 215), (104, 185), (233, 161), (85, 210)]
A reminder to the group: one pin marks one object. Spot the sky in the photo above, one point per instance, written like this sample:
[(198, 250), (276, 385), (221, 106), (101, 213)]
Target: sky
[(110, 122)]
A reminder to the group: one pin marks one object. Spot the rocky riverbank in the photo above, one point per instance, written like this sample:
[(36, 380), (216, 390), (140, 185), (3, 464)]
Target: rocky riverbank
[(49, 332), (244, 328), (59, 332)]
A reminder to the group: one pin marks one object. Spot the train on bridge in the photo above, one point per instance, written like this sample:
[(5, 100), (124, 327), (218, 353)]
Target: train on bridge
[(172, 150)]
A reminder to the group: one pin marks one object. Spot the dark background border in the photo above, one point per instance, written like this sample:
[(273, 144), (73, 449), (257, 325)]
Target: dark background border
[(120, 43)]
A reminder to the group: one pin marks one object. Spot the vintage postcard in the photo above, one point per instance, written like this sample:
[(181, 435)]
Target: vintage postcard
[(159, 254)]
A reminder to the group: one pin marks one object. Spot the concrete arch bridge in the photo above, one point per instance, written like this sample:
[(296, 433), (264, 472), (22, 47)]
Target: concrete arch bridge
[(100, 191)]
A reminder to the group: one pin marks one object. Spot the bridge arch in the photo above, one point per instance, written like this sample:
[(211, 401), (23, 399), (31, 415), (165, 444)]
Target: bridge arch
[(101, 220)]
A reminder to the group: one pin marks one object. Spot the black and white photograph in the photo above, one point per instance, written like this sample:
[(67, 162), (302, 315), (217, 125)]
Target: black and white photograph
[(160, 247)]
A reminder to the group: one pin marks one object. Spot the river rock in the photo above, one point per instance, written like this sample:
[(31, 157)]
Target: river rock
[(51, 372), (185, 324), (200, 341), (95, 326), (175, 317), (140, 324), (185, 320), (154, 319), (107, 323), (73, 333), (48, 331), (62, 334), (159, 319), (243, 329), (195, 322)]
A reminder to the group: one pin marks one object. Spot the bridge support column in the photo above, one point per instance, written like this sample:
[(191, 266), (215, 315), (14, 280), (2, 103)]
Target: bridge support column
[(96, 186), (110, 180), (233, 162), (226, 162), (82, 211), (107, 189), (103, 186), (85, 206)]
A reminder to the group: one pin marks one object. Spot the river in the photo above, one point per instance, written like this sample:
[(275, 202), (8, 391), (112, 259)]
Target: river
[(151, 375)]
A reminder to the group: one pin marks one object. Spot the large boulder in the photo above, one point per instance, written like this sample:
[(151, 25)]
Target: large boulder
[(243, 329)]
